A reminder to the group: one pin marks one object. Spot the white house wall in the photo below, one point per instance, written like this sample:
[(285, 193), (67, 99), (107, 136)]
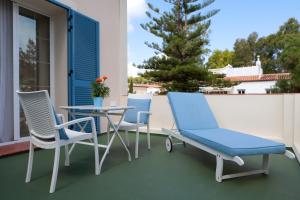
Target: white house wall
[(258, 87), (113, 45), (112, 16), (296, 123), (61, 59)]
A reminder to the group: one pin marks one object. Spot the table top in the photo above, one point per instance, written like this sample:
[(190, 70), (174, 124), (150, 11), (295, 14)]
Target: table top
[(95, 108)]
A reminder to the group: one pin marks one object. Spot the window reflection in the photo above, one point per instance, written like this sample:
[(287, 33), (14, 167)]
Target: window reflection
[(34, 55)]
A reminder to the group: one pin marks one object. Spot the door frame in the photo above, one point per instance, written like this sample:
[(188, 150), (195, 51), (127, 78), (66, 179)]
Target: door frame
[(16, 72)]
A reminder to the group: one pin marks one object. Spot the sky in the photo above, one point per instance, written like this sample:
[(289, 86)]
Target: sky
[(28, 26), (236, 19)]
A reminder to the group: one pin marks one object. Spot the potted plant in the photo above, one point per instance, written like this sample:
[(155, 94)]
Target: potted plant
[(100, 91)]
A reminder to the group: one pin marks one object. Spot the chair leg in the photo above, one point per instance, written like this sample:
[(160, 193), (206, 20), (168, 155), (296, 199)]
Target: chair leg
[(30, 162), (219, 168), (67, 156), (97, 168), (55, 169), (148, 137), (127, 137), (108, 132), (137, 142)]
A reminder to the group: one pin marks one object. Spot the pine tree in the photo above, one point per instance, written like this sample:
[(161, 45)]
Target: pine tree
[(178, 61)]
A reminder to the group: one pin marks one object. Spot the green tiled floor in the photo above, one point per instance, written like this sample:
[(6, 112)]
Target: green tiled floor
[(186, 173)]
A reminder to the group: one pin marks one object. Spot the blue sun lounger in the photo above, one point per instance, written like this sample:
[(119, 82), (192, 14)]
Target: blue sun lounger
[(197, 126)]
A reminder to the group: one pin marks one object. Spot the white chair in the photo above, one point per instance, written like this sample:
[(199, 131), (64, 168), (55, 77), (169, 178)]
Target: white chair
[(136, 118), (47, 131)]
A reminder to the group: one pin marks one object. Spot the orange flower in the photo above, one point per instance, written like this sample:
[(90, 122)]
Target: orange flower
[(99, 80)]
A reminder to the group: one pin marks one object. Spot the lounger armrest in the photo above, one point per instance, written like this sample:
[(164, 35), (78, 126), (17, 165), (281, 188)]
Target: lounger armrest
[(76, 121), (142, 113)]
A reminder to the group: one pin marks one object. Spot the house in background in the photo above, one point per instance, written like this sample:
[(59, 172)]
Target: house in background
[(146, 88), (60, 46), (250, 80)]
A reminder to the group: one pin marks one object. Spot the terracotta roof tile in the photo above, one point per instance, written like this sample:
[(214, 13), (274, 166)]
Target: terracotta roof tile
[(146, 85), (264, 77)]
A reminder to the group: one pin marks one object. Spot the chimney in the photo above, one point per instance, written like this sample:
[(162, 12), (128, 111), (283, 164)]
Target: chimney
[(258, 64)]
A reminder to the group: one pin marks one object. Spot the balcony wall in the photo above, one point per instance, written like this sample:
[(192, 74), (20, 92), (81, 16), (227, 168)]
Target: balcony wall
[(296, 128), (276, 117)]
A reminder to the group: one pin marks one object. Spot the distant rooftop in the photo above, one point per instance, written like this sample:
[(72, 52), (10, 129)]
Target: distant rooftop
[(248, 73), (147, 85), (264, 77), (230, 71)]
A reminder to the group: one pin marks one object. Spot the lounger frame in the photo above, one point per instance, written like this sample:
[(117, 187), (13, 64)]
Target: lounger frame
[(220, 157)]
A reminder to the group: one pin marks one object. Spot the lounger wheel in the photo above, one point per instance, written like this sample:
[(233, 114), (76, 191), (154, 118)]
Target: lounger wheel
[(169, 145)]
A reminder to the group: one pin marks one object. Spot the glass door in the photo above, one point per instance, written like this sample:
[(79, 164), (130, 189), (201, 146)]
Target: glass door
[(34, 56)]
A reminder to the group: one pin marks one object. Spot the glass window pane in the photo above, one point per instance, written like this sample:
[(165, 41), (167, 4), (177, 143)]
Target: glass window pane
[(34, 55), (43, 50)]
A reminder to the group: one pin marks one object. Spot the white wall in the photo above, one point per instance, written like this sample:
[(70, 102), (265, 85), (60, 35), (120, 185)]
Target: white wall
[(256, 114), (275, 117), (60, 60), (112, 16), (296, 122), (254, 87)]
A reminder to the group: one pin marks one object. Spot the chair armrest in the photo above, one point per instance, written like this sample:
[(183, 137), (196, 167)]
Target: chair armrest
[(76, 121), (139, 113)]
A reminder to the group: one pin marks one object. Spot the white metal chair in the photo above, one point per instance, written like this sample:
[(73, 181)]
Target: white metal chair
[(136, 118), (47, 131)]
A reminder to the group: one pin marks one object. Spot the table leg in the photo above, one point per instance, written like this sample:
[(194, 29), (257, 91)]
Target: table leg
[(115, 129), (106, 151), (108, 133)]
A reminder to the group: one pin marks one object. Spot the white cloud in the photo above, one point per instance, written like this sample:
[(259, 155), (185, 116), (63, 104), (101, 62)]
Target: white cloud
[(130, 27), (134, 71), (135, 9)]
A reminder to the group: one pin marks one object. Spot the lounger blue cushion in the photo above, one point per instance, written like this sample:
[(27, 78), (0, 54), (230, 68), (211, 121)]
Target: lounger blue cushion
[(195, 120), (191, 111), (234, 143), (140, 105)]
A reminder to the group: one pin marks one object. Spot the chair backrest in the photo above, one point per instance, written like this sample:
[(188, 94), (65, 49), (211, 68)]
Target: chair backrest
[(191, 111), (141, 102), (39, 113)]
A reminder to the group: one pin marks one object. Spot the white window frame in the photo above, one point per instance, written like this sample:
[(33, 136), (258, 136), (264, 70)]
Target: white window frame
[(16, 72)]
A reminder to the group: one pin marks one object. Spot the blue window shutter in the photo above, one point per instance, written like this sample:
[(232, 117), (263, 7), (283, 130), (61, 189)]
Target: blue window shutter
[(83, 58), (83, 55)]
